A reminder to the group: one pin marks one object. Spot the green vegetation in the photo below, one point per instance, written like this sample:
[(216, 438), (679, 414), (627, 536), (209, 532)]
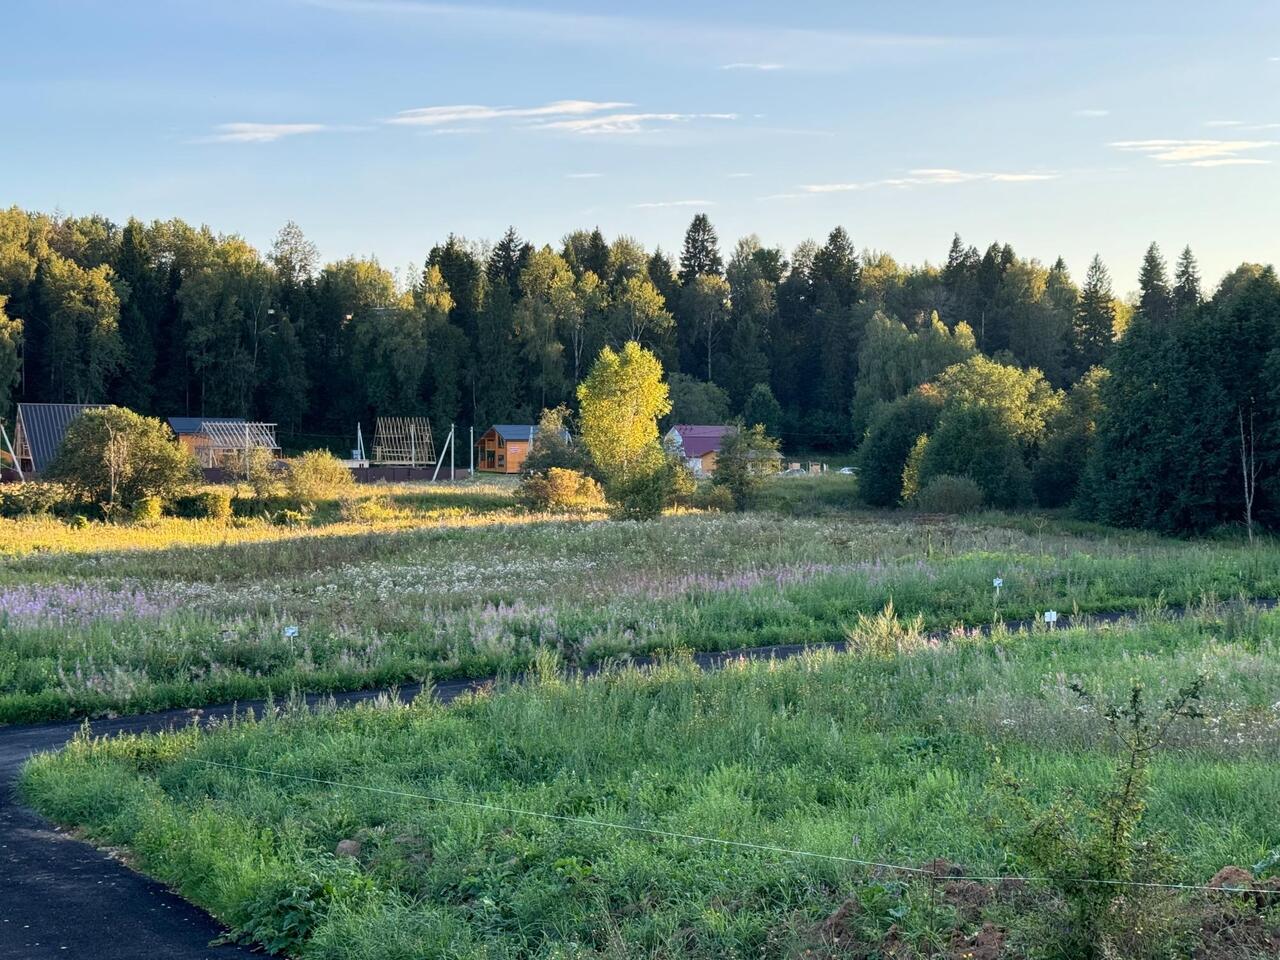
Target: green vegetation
[(1158, 414), (396, 584), (885, 756), (114, 459)]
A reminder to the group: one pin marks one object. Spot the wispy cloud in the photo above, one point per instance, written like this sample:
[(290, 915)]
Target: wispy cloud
[(654, 204), (629, 122), (476, 113), (583, 176), (740, 176), (260, 132), (1224, 123), (752, 66), (924, 177), (1197, 153), (1091, 112)]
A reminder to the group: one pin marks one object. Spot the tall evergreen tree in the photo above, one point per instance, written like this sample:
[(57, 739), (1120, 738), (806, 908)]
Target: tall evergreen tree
[(1095, 317), (1187, 295), (1155, 301), (700, 255)]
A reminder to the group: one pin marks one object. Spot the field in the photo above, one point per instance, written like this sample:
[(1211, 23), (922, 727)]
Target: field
[(450, 582), (885, 759), (652, 810)]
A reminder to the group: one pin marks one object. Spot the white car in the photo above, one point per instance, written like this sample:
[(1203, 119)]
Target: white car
[(849, 471)]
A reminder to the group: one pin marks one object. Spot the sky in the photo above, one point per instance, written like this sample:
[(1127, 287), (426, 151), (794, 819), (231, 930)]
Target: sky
[(381, 126)]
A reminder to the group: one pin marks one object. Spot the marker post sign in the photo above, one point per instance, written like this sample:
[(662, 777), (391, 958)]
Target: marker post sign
[(1051, 618), (998, 582)]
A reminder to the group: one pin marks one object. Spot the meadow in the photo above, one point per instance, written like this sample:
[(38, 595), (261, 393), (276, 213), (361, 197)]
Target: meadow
[(555, 818), (421, 582)]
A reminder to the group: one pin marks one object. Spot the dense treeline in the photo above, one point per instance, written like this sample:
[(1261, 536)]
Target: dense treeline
[(992, 367)]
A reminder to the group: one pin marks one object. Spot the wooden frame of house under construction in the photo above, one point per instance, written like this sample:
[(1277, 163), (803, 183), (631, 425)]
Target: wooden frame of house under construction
[(403, 442), (225, 443)]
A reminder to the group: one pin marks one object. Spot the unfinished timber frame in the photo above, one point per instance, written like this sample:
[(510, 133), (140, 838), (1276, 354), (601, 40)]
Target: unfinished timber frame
[(223, 444), (403, 442)]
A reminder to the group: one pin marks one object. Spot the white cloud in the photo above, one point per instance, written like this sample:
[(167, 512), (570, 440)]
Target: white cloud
[(926, 177), (470, 113), (629, 122), (1199, 153), (752, 66), (1226, 162), (1224, 123), (740, 176), (654, 204), (583, 176), (1092, 112), (260, 132)]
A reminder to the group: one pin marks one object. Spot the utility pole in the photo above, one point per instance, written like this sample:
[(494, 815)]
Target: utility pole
[(471, 461)]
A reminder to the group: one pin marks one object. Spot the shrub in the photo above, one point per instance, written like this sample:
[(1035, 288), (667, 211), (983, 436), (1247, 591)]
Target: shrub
[(884, 635), (213, 505), (746, 457), (147, 510), (559, 489), (653, 485), (974, 442), (1090, 848), (113, 457), (711, 496), (32, 498), (949, 494), (317, 475)]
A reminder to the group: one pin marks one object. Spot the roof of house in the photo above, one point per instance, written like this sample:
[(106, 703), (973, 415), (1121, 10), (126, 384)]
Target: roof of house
[(697, 440), (515, 431), (188, 425), (43, 425)]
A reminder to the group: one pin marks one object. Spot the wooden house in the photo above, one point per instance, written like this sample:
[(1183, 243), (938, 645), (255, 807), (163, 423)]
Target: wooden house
[(697, 444), (503, 447)]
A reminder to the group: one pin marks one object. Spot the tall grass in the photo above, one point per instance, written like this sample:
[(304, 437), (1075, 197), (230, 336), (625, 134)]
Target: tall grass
[(879, 758)]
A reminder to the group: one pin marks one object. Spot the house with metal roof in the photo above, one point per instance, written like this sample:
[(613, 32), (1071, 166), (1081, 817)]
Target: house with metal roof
[(38, 432), (697, 444)]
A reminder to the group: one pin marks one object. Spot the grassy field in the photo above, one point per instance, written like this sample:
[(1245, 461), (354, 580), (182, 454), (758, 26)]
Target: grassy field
[(452, 581), (468, 820)]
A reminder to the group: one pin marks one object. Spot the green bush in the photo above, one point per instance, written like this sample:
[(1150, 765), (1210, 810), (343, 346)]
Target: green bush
[(559, 489), (213, 505), (712, 496), (949, 494), (656, 483), (747, 456), (317, 475), (32, 498), (895, 427), (147, 510), (112, 457)]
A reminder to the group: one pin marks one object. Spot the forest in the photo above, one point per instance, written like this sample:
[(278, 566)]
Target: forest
[(993, 367)]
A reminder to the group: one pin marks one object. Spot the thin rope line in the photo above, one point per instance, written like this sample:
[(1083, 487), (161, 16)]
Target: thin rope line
[(742, 844)]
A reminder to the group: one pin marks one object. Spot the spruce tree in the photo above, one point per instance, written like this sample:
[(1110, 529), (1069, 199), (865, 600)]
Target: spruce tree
[(701, 253), (1155, 301), (1187, 295), (1095, 316)]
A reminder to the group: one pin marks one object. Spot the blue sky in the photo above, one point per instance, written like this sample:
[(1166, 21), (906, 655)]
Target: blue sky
[(382, 125)]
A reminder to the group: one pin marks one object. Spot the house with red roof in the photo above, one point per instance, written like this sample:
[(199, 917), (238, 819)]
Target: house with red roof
[(697, 444)]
